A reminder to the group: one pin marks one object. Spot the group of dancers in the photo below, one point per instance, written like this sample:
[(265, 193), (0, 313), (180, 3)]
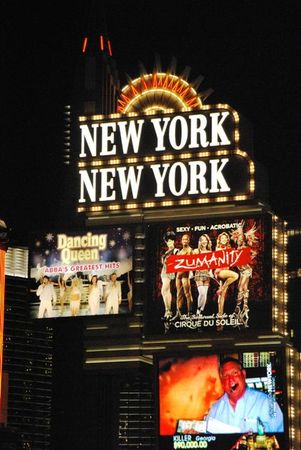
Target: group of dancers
[(73, 292), (224, 277)]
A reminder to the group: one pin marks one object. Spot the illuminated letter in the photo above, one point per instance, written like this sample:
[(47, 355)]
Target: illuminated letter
[(65, 256), (217, 177), (183, 178), (107, 183), (159, 177), (84, 241), (197, 174), (160, 132), (217, 130), (106, 137), (85, 182), (130, 180), (91, 141), (183, 132), (198, 132), (130, 134), (61, 241)]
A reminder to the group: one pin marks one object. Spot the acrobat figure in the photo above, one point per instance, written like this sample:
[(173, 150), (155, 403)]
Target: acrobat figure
[(202, 277), (183, 281), (224, 275), (242, 240), (167, 278)]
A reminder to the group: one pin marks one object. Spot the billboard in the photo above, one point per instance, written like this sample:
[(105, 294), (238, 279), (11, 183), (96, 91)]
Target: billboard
[(210, 275), (150, 161), (221, 400), (78, 273)]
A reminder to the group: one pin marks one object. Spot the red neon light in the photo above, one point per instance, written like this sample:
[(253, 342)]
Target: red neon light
[(110, 48), (155, 80), (85, 44), (185, 92), (170, 85), (101, 43), (175, 86), (144, 83), (135, 92), (165, 84), (192, 102)]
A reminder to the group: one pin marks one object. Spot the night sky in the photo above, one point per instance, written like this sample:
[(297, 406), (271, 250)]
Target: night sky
[(247, 51)]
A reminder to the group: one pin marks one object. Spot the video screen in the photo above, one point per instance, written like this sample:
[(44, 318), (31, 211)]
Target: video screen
[(221, 401), (81, 273), (210, 275)]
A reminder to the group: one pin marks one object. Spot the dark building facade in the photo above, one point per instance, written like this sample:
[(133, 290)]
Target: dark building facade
[(115, 379), (27, 361)]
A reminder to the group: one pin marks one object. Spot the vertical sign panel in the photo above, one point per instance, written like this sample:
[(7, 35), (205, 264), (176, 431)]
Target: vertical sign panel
[(2, 291)]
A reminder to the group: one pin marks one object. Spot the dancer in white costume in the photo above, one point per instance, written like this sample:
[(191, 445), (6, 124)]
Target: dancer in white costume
[(113, 295), (47, 294), (95, 293), (75, 296)]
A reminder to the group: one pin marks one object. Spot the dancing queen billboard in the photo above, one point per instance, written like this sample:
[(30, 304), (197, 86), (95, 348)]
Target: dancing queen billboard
[(77, 273), (210, 275), (184, 158)]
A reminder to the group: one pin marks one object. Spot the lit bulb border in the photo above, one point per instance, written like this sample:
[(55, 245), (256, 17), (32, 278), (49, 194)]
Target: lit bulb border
[(279, 276), (133, 160)]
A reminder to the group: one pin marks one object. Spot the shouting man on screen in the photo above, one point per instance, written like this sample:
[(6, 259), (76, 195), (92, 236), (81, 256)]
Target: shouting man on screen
[(242, 409)]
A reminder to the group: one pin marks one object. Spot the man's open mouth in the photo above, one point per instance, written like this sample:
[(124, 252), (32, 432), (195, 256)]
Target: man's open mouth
[(233, 387)]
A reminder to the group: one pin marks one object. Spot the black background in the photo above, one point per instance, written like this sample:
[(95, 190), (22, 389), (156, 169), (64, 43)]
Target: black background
[(247, 51)]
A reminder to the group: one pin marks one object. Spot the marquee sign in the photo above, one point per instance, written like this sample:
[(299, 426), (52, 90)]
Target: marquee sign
[(171, 159)]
